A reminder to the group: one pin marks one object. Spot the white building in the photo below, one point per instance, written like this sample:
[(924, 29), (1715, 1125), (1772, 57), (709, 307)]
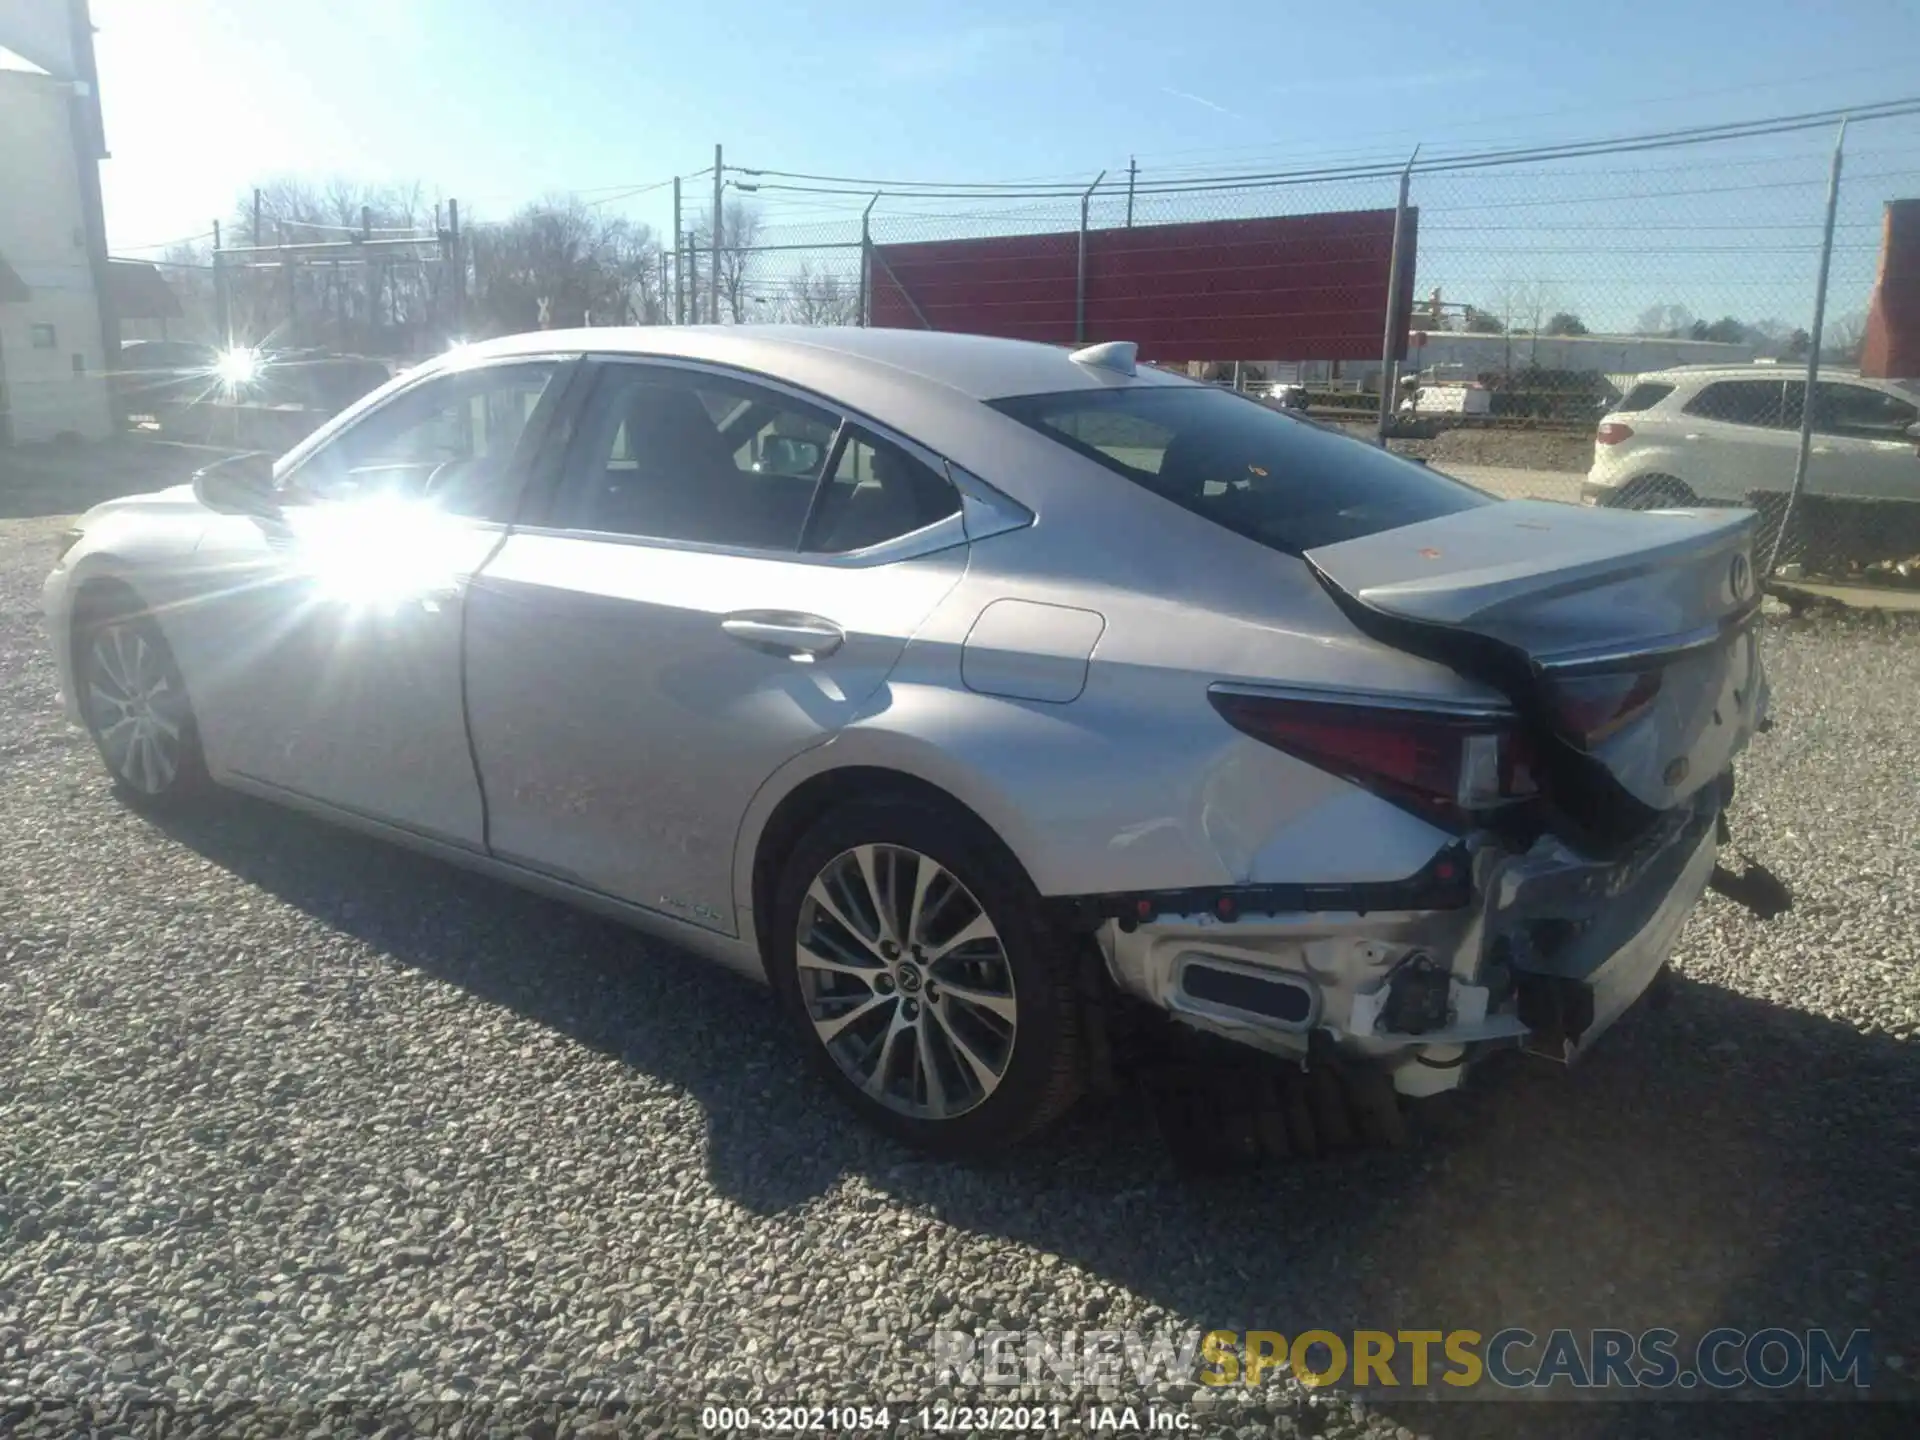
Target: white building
[(54, 338)]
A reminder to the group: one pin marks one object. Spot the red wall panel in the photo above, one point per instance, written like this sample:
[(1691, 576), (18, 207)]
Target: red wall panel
[(1303, 287), (1892, 345)]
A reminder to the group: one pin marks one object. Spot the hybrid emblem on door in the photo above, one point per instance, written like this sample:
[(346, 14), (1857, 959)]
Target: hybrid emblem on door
[(1740, 577)]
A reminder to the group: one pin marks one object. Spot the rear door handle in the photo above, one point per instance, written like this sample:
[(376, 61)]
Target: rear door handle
[(785, 632), (1694, 436)]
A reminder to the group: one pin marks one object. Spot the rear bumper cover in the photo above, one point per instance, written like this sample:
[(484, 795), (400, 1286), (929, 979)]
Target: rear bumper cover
[(1551, 950)]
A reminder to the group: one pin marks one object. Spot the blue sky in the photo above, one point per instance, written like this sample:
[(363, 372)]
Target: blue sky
[(499, 101), (496, 101)]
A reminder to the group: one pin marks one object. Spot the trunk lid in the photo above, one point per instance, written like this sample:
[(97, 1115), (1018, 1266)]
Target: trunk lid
[(1545, 600)]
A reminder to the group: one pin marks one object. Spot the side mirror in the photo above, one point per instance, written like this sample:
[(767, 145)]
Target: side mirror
[(241, 485), (1913, 432)]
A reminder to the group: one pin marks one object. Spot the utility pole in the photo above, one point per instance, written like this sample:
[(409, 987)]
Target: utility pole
[(1133, 171), (257, 238), (679, 288), (713, 281)]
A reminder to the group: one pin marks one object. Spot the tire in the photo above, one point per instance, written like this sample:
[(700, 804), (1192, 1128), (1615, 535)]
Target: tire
[(1653, 492), (879, 1007), (137, 710)]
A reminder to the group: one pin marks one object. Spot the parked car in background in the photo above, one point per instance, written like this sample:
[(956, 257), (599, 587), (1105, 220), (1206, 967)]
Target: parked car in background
[(1288, 397), (154, 376), (1714, 434), (969, 690)]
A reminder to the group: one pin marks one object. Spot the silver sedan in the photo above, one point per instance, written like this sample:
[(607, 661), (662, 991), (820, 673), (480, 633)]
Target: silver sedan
[(973, 692)]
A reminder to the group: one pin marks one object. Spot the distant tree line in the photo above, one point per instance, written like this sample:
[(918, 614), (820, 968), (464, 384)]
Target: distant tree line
[(590, 267)]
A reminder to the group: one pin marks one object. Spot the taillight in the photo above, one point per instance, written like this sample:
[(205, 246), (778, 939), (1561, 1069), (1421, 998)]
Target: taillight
[(1440, 765), (1613, 432), (1589, 709)]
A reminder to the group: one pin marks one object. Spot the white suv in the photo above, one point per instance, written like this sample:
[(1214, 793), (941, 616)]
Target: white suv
[(1713, 434)]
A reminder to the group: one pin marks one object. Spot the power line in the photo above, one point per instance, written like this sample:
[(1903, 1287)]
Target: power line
[(806, 183)]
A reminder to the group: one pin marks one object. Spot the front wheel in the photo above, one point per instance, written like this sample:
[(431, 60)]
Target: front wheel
[(136, 708), (909, 951)]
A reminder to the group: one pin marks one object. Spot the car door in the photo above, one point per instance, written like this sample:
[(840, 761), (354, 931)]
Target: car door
[(1860, 443), (725, 575), (327, 639), (1734, 437)]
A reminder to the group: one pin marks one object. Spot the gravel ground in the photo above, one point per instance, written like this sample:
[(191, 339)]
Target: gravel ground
[(289, 1116)]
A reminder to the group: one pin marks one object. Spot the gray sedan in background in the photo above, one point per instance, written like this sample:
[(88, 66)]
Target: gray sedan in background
[(974, 692)]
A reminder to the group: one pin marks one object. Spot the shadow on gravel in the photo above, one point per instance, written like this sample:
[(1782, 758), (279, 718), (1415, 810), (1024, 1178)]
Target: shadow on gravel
[(1722, 1161)]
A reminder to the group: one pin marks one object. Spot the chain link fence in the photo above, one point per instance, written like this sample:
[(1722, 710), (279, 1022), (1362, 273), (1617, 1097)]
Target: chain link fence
[(1633, 325)]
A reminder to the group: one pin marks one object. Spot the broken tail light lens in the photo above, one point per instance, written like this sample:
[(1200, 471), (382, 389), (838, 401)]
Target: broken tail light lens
[(1613, 432), (1442, 766), (1591, 709)]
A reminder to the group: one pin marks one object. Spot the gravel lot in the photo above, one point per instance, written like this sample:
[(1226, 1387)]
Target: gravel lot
[(286, 1115)]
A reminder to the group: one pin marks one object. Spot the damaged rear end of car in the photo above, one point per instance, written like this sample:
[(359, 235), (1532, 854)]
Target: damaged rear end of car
[(1574, 768), (1586, 810)]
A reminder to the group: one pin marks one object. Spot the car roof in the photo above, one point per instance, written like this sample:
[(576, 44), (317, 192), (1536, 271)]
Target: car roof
[(981, 367), (1791, 370)]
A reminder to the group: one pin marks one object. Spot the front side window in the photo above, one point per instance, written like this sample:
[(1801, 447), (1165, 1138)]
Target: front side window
[(1767, 404), (1287, 482), (678, 455), (1859, 411), (877, 492), (451, 440)]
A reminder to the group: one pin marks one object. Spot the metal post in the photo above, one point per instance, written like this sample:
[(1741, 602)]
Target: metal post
[(286, 281), (713, 280), (1394, 264), (459, 262), (679, 288), (223, 308), (866, 260), (1133, 172), (1813, 351), (1080, 269)]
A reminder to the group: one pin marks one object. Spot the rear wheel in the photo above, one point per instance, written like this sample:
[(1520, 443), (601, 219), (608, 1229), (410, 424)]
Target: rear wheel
[(136, 708), (1654, 492), (909, 951)]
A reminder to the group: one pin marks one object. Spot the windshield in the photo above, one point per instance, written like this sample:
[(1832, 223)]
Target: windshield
[(1288, 483)]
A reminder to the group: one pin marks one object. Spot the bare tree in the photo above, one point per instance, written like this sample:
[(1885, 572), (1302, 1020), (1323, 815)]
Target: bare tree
[(739, 233), (382, 301), (1844, 338), (818, 297), (589, 268)]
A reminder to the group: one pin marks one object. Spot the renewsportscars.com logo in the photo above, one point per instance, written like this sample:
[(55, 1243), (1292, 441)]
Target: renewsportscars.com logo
[(1461, 1360)]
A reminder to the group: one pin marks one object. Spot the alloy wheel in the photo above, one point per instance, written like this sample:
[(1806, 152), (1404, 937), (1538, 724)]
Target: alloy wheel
[(906, 982), (137, 709)]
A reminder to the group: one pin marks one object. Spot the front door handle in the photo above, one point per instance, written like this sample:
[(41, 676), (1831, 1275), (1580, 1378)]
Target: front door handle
[(785, 633)]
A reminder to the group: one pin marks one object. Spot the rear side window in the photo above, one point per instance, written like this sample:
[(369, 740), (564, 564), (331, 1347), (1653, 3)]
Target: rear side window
[(877, 492), (1643, 396), (1286, 482), (1764, 403)]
